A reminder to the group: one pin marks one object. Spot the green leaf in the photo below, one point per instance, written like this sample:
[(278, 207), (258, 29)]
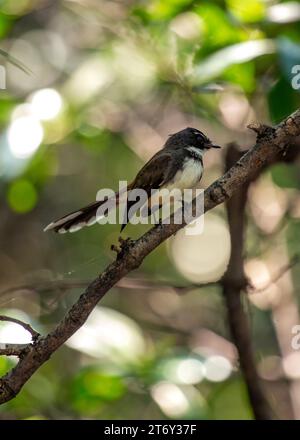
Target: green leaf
[(242, 75), (22, 196), (216, 63), (5, 365), (93, 387), (230, 402), (217, 27), (6, 107), (5, 25), (286, 175), (247, 11), (282, 100), (162, 9)]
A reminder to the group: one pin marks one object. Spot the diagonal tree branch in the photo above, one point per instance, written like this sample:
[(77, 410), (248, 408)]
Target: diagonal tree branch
[(270, 142)]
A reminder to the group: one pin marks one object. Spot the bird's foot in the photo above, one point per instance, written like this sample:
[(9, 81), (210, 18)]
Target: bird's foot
[(123, 247)]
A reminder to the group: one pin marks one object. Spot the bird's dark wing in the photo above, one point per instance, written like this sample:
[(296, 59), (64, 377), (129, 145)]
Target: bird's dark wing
[(156, 172), (159, 170)]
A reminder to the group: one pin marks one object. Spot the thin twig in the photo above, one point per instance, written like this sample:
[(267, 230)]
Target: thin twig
[(26, 326), (12, 349), (46, 286), (125, 283)]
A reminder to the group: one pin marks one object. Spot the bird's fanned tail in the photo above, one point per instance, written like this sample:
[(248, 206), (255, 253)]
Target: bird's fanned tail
[(76, 220)]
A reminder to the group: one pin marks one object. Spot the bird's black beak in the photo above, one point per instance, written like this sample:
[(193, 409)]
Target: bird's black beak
[(211, 145)]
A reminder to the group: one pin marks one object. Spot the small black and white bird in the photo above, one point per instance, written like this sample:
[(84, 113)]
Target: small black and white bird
[(178, 165)]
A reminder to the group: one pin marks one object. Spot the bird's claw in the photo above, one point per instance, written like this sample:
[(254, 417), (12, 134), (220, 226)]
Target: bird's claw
[(123, 247)]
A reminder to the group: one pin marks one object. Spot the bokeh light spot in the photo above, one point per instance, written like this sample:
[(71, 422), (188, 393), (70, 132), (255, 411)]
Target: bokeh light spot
[(190, 371), (25, 135), (46, 104), (109, 334), (217, 368), (22, 196), (203, 257), (170, 398)]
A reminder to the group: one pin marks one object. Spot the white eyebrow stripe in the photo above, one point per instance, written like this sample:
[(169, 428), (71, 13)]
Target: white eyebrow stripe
[(199, 133)]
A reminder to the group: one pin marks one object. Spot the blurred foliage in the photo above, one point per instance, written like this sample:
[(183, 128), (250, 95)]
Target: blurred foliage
[(92, 90)]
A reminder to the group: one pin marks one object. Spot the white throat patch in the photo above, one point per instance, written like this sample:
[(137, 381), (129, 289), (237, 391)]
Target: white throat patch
[(196, 152)]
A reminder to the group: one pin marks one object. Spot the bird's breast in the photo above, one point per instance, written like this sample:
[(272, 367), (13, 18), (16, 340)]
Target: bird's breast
[(188, 176)]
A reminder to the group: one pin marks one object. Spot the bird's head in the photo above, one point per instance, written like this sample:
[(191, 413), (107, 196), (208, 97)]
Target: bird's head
[(190, 137)]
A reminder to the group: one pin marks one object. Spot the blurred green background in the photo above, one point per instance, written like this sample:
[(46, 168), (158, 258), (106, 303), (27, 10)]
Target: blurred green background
[(92, 91)]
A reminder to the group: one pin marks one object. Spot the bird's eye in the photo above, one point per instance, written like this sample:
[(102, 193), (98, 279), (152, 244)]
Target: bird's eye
[(201, 137)]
